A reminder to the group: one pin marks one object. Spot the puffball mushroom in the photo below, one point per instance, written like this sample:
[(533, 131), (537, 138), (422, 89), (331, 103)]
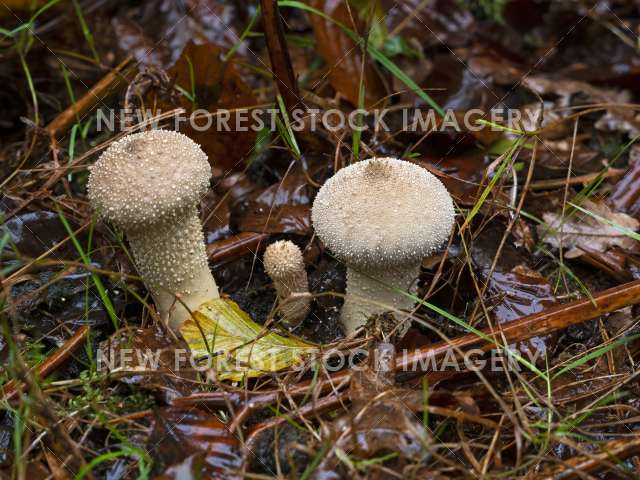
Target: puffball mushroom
[(284, 264), (381, 217), (149, 184)]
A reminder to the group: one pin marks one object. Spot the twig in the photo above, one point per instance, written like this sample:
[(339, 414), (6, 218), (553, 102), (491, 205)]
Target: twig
[(245, 243), (11, 388), (66, 118), (279, 55), (615, 450), (561, 182), (538, 324)]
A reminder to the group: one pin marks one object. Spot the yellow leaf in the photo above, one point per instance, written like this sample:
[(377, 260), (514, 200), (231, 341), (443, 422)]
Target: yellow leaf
[(237, 346)]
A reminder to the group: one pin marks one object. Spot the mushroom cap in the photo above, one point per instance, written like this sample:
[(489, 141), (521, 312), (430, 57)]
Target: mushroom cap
[(149, 176), (283, 259), (382, 211)]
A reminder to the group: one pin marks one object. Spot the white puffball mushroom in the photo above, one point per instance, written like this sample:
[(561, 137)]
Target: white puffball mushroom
[(284, 264), (149, 184), (381, 217)]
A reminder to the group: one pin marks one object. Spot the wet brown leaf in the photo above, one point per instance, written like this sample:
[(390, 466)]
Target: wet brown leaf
[(446, 21), (513, 289), (518, 293), (217, 85), (614, 119), (194, 444), (153, 34), (379, 422), (34, 233), (342, 56), (461, 174), (150, 359), (284, 207), (614, 262)]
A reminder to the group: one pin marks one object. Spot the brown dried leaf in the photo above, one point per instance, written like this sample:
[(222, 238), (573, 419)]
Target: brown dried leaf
[(342, 56), (581, 231), (625, 195), (379, 420), (217, 86), (147, 358), (614, 119)]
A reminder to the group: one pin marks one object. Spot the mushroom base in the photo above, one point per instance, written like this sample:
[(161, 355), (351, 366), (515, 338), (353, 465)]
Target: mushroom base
[(172, 259), (293, 309), (373, 294)]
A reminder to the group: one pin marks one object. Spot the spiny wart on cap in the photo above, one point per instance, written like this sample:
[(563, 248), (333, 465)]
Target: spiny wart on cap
[(149, 176), (149, 184), (381, 217), (284, 264)]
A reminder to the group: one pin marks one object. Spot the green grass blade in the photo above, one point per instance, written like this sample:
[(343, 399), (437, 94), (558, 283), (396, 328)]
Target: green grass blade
[(498, 174), (596, 353), (232, 51), (314, 463), (624, 230), (374, 52), (102, 292), (86, 32)]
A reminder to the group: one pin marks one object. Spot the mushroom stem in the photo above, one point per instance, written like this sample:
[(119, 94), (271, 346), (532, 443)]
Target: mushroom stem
[(381, 217), (149, 184), (160, 259), (374, 293), (284, 264)]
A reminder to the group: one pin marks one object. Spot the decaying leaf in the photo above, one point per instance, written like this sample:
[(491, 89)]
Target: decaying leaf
[(344, 69), (216, 101), (148, 358), (580, 231), (625, 195), (283, 207), (513, 289), (380, 420), (239, 347), (518, 293), (194, 444), (615, 118)]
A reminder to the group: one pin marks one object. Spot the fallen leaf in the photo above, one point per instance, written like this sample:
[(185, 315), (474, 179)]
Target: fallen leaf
[(192, 443), (216, 89), (283, 207), (625, 195), (237, 346), (513, 289), (518, 293), (150, 359), (461, 174), (580, 230), (35, 233), (342, 55), (379, 420), (614, 119)]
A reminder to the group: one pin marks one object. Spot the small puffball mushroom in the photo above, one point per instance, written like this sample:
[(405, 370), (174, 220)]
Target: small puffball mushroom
[(381, 217), (149, 184), (284, 264)]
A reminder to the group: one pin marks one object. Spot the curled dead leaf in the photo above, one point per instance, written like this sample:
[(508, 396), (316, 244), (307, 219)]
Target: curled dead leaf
[(578, 232)]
